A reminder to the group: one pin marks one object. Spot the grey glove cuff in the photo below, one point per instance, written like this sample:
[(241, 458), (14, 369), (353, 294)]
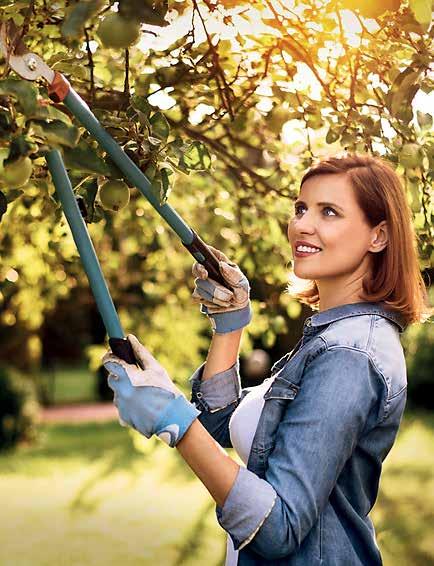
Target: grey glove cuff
[(225, 322)]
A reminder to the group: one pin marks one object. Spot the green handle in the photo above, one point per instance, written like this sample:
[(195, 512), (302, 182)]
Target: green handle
[(84, 244), (198, 249), (119, 345)]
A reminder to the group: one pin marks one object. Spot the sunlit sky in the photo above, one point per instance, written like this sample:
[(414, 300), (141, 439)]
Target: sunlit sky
[(293, 131)]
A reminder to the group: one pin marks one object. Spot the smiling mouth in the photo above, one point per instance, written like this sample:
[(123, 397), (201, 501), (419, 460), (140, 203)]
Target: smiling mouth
[(305, 254)]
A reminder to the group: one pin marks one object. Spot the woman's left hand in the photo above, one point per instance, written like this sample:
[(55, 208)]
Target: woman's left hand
[(147, 399)]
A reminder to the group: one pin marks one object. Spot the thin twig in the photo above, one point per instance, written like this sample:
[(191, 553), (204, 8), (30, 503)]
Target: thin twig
[(222, 86), (90, 65), (127, 73)]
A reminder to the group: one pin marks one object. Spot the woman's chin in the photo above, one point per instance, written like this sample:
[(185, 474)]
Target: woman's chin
[(303, 273)]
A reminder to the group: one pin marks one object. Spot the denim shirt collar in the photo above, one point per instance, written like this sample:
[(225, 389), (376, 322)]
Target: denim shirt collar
[(354, 309)]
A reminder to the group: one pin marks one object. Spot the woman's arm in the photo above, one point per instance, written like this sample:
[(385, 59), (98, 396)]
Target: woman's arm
[(223, 353), (209, 461), (216, 386)]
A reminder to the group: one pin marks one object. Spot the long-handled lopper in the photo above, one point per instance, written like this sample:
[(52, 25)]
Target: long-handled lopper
[(31, 67)]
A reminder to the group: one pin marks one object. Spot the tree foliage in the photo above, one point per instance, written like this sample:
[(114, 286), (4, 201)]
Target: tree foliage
[(222, 104)]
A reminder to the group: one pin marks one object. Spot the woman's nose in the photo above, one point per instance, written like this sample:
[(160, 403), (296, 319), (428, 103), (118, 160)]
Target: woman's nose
[(298, 227), (305, 224)]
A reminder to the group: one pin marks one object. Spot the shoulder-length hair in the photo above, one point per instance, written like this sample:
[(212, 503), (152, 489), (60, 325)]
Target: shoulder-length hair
[(396, 278)]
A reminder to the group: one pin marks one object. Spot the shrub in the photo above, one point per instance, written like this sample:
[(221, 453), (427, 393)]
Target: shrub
[(418, 344), (18, 408)]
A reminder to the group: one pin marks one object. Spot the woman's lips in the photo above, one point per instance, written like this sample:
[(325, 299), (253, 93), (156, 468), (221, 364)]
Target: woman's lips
[(306, 254)]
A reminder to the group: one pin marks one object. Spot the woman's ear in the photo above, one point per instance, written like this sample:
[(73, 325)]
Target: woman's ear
[(379, 238)]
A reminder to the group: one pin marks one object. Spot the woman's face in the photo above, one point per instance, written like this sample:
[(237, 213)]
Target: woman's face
[(328, 217)]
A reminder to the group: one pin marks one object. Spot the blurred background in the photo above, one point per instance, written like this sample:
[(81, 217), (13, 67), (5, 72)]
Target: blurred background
[(223, 105)]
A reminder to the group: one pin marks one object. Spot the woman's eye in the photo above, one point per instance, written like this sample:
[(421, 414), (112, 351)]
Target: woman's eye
[(299, 208)]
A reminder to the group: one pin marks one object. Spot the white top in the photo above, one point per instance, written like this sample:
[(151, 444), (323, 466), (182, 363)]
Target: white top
[(242, 427)]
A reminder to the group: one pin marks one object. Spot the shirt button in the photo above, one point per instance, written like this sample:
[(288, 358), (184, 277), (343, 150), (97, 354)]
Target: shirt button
[(308, 322), (199, 395)]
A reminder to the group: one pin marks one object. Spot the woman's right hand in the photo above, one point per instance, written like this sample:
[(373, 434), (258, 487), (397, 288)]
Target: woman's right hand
[(227, 309)]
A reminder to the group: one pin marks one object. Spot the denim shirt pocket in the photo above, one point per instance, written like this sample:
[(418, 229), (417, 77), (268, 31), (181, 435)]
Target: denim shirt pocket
[(280, 393), (276, 399), (282, 389)]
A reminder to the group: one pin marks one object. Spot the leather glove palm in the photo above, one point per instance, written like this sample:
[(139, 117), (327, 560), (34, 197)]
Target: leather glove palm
[(147, 399), (227, 309)]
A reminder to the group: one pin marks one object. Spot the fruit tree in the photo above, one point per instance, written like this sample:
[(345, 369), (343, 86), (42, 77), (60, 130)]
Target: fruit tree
[(222, 105)]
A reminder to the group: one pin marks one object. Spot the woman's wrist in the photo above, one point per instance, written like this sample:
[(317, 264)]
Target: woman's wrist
[(228, 321)]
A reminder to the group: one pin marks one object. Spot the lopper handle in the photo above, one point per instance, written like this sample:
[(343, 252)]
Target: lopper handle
[(60, 90), (201, 252), (122, 348)]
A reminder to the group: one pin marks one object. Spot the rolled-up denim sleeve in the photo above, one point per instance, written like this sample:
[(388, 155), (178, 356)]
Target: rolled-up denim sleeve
[(319, 430), (218, 391), (238, 516), (217, 398)]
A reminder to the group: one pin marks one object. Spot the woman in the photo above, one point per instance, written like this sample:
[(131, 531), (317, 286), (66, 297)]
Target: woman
[(314, 434)]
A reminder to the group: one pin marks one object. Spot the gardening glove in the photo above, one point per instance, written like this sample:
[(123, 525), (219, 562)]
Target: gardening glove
[(146, 397), (227, 309)]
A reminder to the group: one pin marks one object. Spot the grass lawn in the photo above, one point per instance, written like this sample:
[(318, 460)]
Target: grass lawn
[(67, 384), (96, 494)]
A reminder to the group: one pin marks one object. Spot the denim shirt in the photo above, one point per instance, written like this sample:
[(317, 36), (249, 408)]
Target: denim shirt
[(330, 417)]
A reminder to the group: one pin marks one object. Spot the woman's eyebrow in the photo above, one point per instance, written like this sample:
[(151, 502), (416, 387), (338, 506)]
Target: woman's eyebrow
[(321, 204)]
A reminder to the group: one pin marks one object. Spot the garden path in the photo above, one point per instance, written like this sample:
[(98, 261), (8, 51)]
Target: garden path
[(79, 413)]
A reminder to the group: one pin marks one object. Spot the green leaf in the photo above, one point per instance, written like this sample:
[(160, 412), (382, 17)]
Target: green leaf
[(165, 185), (49, 112), (157, 185), (333, 135), (74, 69), (114, 171), (160, 126), (409, 24), (23, 91), (403, 90), (7, 125), (141, 103), (403, 110), (196, 157), (143, 83), (149, 12), (56, 133), (151, 171), (424, 120), (422, 10), (85, 159), (154, 141), (77, 16), (277, 118), (88, 190), (19, 147)]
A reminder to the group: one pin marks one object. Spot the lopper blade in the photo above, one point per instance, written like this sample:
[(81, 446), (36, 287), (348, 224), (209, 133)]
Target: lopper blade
[(27, 65)]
